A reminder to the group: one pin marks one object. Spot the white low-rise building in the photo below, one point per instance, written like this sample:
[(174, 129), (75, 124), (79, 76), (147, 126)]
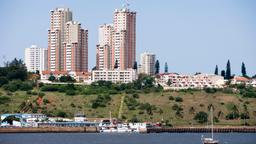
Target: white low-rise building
[(199, 81), (80, 77), (115, 76)]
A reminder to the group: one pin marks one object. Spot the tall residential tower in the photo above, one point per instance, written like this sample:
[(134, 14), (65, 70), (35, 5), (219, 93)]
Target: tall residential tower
[(147, 61), (67, 43), (117, 41), (36, 59)]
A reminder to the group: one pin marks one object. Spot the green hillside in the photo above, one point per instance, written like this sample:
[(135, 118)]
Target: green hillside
[(176, 108)]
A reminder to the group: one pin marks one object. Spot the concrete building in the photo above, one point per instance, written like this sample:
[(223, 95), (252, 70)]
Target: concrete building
[(36, 59), (117, 41), (84, 77), (200, 81), (103, 50), (67, 43), (115, 76), (124, 38), (56, 37), (75, 48), (147, 63), (103, 57)]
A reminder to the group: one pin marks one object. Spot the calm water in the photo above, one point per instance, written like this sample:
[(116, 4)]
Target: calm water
[(83, 138)]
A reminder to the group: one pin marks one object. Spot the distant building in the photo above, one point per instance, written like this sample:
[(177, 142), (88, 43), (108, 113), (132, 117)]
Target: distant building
[(239, 80), (80, 117), (103, 51), (84, 77), (117, 42), (147, 63), (36, 59), (115, 76), (75, 48), (67, 43), (124, 38), (200, 81)]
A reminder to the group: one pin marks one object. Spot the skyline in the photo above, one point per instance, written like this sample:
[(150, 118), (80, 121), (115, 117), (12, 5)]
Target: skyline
[(199, 30)]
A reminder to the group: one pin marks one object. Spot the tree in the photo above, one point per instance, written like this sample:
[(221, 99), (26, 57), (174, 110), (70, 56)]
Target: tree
[(216, 72), (223, 73), (135, 66), (243, 70), (52, 78), (165, 67), (228, 71), (254, 76), (16, 69), (157, 67), (201, 117), (94, 68), (116, 65), (3, 80)]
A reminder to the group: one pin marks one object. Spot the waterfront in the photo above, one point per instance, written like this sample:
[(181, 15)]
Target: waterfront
[(125, 138)]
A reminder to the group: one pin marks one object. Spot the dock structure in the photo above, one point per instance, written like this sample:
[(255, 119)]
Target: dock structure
[(203, 130), (51, 130)]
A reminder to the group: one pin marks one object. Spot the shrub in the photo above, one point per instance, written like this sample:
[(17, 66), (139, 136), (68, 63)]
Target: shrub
[(29, 92), (72, 105), (34, 93), (4, 99), (232, 115), (50, 88), (210, 90), (62, 114), (71, 92), (131, 102), (178, 99), (3, 81), (244, 116), (135, 95), (25, 86), (46, 101), (175, 107), (41, 94), (201, 117), (10, 87), (101, 101), (171, 98)]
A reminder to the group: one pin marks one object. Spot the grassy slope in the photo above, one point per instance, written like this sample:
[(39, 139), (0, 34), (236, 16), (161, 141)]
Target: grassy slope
[(198, 99)]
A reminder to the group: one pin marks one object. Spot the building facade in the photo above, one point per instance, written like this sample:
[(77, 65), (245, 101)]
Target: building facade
[(117, 41), (75, 48), (200, 81), (103, 50), (115, 76), (124, 38), (56, 37), (36, 59), (67, 43), (147, 63)]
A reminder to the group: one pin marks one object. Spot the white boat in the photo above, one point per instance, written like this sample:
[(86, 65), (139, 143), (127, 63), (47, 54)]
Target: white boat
[(210, 140)]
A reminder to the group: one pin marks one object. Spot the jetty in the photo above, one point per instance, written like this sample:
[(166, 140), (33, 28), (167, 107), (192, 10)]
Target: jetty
[(202, 130)]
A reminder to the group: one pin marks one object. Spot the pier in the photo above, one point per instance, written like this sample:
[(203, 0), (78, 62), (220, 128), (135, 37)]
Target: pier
[(51, 130), (203, 130)]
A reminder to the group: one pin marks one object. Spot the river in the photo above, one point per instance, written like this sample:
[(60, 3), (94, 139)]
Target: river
[(100, 138)]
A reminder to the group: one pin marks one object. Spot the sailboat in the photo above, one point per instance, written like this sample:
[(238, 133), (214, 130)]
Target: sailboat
[(210, 140)]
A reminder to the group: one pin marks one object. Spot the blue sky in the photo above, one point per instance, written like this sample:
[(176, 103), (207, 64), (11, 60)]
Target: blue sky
[(190, 35)]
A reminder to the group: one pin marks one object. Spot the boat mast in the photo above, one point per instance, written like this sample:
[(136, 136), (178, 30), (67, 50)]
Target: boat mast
[(110, 117), (212, 120)]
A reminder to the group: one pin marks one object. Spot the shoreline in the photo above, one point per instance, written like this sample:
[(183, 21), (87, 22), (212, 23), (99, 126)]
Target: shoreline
[(149, 130)]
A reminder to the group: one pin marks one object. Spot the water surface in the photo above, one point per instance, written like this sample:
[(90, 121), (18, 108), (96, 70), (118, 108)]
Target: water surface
[(160, 138)]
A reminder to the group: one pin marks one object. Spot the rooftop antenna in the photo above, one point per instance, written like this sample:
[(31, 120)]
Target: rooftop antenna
[(126, 4)]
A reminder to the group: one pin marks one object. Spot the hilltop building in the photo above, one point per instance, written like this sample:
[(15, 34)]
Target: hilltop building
[(36, 59)]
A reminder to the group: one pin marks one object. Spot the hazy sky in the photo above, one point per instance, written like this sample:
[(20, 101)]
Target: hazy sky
[(191, 35)]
